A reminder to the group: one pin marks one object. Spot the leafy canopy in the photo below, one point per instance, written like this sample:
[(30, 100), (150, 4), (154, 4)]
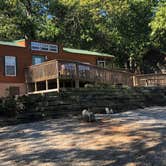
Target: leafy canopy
[(125, 28)]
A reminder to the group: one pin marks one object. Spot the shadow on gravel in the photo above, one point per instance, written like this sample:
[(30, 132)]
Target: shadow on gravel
[(45, 141)]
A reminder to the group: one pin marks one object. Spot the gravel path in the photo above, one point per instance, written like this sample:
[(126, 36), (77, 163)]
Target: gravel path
[(133, 138)]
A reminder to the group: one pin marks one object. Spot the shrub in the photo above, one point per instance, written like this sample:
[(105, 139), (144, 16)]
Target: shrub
[(8, 107)]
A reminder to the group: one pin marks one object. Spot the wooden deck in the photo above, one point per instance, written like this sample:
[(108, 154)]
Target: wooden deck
[(150, 80), (52, 75)]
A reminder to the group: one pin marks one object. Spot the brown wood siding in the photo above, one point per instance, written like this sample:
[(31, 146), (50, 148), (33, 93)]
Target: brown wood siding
[(79, 57), (24, 59)]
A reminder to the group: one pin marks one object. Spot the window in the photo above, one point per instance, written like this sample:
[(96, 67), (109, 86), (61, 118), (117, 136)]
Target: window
[(53, 48), (10, 66), (44, 47), (67, 69), (35, 46), (37, 59), (83, 68), (101, 63)]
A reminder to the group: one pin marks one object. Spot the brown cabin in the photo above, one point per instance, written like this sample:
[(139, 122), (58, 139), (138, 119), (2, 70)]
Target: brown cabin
[(38, 67), (16, 57)]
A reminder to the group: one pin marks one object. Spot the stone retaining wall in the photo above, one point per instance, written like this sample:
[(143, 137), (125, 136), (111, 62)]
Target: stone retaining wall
[(72, 102)]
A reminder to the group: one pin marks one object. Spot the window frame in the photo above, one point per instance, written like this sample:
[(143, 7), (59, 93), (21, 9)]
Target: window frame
[(38, 56), (53, 46), (44, 47), (37, 46), (101, 61), (5, 66)]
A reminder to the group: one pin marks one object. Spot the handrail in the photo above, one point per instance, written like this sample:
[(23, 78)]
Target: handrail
[(75, 70), (152, 74), (151, 80), (67, 70)]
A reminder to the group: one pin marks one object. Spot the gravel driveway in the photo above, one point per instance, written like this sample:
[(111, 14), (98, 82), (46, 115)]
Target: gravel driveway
[(131, 138)]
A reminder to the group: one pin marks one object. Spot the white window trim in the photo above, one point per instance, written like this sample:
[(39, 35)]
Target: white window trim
[(39, 47), (14, 75), (38, 57), (101, 61)]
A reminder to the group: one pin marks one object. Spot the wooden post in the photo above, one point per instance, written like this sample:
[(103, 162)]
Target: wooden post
[(146, 82), (35, 86), (134, 80), (26, 81), (77, 76), (27, 87), (57, 80), (58, 84), (46, 84)]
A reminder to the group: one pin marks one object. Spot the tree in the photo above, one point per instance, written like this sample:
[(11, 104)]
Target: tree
[(25, 18), (126, 29), (130, 20), (117, 27), (158, 26)]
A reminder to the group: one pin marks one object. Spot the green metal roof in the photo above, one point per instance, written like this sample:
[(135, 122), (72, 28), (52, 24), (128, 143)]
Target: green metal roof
[(77, 51), (69, 50), (19, 40), (11, 43)]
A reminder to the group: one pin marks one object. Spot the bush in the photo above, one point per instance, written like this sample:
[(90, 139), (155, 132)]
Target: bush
[(1, 107), (8, 107)]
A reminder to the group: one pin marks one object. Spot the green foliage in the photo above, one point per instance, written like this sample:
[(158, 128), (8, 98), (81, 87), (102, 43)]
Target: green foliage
[(25, 18), (153, 61), (129, 22), (119, 27), (158, 25), (126, 29), (8, 107)]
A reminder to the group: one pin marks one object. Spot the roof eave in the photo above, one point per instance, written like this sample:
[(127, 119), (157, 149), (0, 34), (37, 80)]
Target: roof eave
[(99, 54)]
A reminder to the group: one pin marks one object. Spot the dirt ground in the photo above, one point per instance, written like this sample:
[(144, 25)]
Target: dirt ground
[(133, 138)]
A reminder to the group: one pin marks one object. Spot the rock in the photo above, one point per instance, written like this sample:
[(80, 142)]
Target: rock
[(20, 106), (108, 110), (88, 116), (89, 86)]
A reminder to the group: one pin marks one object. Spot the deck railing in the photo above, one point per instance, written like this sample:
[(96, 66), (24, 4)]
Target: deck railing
[(77, 71), (80, 72), (150, 80), (91, 73), (45, 71)]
